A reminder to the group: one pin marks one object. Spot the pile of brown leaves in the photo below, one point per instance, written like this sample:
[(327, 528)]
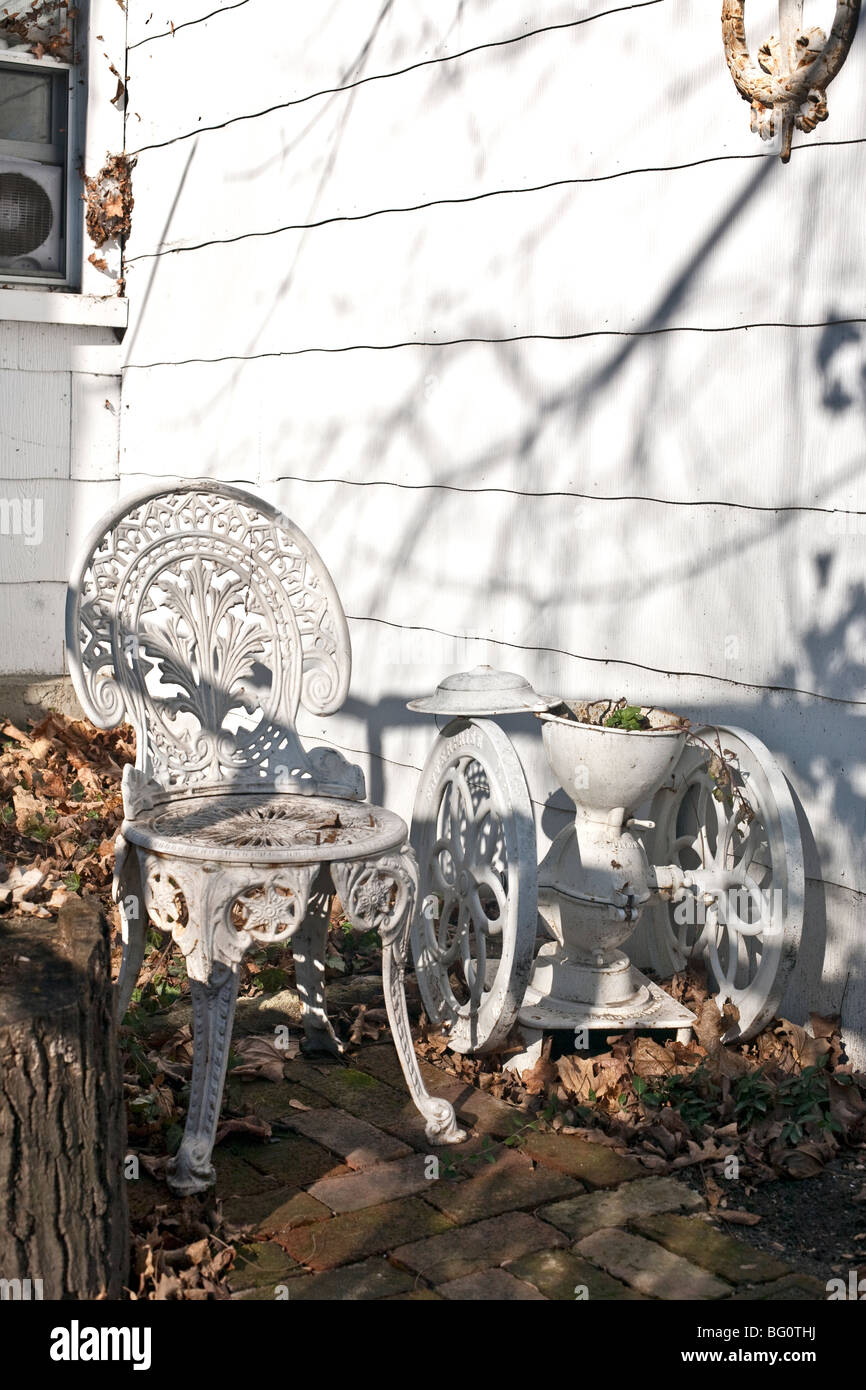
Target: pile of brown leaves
[(784, 1104), (60, 810), (45, 26), (180, 1254), (108, 196)]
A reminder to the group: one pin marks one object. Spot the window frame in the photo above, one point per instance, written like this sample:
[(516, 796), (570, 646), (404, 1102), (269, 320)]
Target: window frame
[(93, 293), (55, 149), (70, 278)]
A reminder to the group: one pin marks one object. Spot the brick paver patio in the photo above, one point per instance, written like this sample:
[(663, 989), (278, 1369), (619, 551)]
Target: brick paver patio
[(348, 1201)]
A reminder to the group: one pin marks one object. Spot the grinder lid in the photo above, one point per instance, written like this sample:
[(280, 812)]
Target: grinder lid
[(482, 691)]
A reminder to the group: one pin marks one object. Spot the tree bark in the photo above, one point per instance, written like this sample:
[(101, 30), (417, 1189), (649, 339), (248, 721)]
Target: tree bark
[(63, 1207)]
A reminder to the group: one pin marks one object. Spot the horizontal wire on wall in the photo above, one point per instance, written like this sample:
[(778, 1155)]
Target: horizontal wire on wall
[(397, 72), (469, 198), (493, 341)]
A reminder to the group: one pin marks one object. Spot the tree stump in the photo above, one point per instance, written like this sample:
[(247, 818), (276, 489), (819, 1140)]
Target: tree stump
[(62, 1124)]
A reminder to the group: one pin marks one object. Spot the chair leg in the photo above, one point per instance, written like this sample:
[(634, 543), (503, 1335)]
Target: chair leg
[(127, 893), (309, 944), (381, 894), (213, 1004)]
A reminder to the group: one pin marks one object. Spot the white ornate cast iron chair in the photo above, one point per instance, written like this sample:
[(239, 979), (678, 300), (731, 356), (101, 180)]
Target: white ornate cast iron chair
[(205, 617)]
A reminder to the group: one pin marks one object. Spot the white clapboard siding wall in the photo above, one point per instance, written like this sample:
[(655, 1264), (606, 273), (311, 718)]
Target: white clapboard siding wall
[(59, 442), (60, 384), (555, 363)]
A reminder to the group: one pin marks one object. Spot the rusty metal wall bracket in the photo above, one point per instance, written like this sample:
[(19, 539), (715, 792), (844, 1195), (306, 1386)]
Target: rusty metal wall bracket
[(787, 87)]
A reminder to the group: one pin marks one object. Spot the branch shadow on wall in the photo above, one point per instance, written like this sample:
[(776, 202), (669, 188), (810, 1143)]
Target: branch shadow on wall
[(545, 595)]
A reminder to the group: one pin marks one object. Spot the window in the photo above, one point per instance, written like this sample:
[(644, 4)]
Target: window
[(62, 101), (35, 122)]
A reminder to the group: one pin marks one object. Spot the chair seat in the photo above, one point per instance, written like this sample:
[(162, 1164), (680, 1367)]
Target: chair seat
[(265, 827)]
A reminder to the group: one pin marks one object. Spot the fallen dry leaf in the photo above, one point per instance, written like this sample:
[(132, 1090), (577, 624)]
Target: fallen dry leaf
[(807, 1050), (27, 807), (609, 1073), (20, 883), (654, 1163), (34, 909), (665, 1139), (649, 1058), (577, 1076), (847, 1105), (11, 730), (708, 1152), (805, 1161), (244, 1124), (155, 1166), (368, 1023), (542, 1073), (738, 1218), (261, 1059), (824, 1027), (168, 1286)]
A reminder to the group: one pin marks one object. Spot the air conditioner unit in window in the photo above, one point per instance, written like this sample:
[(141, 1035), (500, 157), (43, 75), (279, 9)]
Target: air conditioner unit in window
[(31, 217)]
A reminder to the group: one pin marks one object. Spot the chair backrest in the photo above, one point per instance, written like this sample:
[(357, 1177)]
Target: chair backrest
[(203, 616)]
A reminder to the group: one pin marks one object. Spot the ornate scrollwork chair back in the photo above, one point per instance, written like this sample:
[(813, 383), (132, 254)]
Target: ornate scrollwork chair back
[(205, 618)]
